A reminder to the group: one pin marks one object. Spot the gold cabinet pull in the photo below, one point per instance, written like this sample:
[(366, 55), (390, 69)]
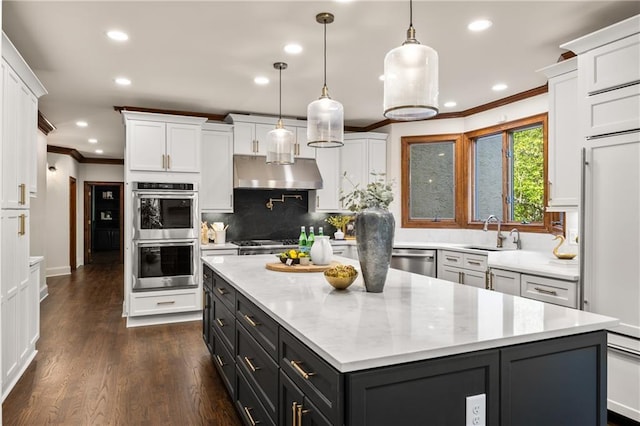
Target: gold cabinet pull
[(293, 413), (251, 321), (23, 194), (473, 262), (317, 201), (252, 367), (21, 227), (221, 290), (220, 361), (168, 162), (257, 146), (247, 410), (164, 162), (168, 302), (220, 322), (451, 259), (300, 412), (304, 374), (545, 291), (490, 286)]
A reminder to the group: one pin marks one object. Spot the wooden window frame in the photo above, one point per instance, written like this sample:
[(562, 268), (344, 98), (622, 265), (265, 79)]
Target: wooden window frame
[(459, 196), (463, 169)]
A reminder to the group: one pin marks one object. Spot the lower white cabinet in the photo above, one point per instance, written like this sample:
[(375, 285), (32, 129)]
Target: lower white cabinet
[(165, 302), (504, 281), (623, 376), (20, 299), (350, 251), (551, 290), (463, 268)]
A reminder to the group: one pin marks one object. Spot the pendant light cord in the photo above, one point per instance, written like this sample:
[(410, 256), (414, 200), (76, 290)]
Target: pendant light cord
[(325, 53), (280, 95), (411, 13)]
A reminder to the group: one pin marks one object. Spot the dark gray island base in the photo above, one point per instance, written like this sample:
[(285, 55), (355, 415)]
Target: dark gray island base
[(273, 378)]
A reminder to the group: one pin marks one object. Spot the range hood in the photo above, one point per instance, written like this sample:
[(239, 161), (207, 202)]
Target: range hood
[(252, 172)]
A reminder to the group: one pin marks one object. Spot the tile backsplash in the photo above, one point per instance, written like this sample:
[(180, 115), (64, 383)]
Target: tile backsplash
[(253, 219)]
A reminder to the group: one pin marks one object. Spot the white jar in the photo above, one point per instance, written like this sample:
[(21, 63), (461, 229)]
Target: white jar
[(321, 251)]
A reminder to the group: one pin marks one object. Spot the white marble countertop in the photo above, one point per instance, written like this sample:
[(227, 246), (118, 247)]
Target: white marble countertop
[(536, 263), (415, 318), (212, 246)]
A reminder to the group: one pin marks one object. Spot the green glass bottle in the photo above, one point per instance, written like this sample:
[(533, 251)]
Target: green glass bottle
[(320, 233), (302, 240), (310, 239)]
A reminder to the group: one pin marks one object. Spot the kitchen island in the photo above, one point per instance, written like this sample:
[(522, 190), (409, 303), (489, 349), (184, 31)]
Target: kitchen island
[(292, 350)]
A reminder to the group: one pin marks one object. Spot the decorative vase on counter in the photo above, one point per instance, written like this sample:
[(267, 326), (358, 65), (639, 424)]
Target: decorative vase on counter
[(338, 235), (321, 251), (375, 229)]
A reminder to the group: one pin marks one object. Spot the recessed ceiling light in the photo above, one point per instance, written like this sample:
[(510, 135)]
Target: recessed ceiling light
[(381, 77), (117, 35), (122, 81), (479, 25), (293, 48), (499, 87), (261, 80), (93, 140), (99, 151), (450, 104), (82, 123)]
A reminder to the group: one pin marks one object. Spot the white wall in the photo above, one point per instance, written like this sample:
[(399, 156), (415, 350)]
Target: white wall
[(56, 233), (525, 108), (93, 173), (38, 210)]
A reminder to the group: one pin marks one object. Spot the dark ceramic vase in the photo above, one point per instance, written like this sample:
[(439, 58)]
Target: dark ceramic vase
[(374, 235)]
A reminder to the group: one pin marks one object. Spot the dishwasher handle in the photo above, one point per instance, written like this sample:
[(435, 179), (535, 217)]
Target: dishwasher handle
[(421, 256)]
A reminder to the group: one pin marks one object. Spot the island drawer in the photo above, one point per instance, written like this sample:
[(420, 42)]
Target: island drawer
[(147, 303), (559, 292), (224, 322), (224, 291), (320, 382), (260, 325), (248, 404), (207, 277), (224, 362), (259, 369)]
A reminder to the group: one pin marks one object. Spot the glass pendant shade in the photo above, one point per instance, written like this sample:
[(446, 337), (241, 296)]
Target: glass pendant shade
[(280, 143), (411, 82), (325, 123)]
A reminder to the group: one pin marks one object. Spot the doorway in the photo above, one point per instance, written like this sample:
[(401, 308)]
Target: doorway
[(103, 224), (73, 264)]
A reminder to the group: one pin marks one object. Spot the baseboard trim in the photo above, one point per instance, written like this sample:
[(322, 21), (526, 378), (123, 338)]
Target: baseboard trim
[(60, 270), (164, 319), (44, 292)]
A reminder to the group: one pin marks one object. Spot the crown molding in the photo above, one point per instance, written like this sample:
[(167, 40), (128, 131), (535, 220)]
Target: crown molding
[(73, 153)]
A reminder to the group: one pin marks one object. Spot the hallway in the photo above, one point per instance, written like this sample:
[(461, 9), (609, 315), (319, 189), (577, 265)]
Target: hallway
[(91, 370)]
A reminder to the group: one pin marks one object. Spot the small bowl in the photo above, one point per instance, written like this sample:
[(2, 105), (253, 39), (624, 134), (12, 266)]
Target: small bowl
[(340, 283), (294, 261)]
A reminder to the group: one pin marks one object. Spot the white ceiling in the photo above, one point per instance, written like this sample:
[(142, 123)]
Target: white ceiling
[(202, 56)]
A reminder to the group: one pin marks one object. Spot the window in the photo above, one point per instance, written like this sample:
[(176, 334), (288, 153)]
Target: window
[(507, 165), (457, 181), (431, 181)]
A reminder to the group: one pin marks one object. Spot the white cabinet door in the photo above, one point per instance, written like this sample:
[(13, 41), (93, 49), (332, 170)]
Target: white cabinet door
[(15, 277), (244, 136), (32, 123), (451, 273), (564, 142), (146, 141), (612, 230), (474, 278), (14, 185), (505, 281), (216, 189), (34, 305), (354, 165), (261, 138), (302, 149), (183, 148), (328, 198), (377, 157)]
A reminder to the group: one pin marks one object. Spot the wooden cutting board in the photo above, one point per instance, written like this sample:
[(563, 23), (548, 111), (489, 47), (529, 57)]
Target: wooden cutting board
[(281, 267)]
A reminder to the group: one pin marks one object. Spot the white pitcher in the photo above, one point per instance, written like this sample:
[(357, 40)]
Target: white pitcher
[(321, 251)]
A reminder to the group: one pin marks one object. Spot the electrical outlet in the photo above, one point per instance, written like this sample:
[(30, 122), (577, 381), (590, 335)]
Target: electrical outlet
[(476, 410), (573, 237)]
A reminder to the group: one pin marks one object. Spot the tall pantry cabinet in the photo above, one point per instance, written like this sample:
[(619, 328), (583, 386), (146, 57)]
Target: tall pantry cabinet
[(19, 304)]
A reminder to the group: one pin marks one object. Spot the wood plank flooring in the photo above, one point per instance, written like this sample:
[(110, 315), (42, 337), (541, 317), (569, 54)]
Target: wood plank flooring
[(92, 370)]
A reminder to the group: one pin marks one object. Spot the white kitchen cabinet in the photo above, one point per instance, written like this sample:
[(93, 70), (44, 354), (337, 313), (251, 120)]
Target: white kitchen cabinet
[(362, 154), (162, 143), (507, 282), (564, 141), (551, 290), (463, 268), (216, 188), (327, 199), (349, 251), (165, 302), (301, 149), (16, 290)]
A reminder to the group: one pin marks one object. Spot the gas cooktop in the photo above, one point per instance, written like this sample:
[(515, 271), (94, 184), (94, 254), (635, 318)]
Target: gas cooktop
[(265, 243)]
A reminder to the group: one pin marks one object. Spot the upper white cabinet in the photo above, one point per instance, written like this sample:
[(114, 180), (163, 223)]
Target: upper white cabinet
[(216, 189), (564, 141), (362, 154), (163, 143), (327, 199), (250, 134)]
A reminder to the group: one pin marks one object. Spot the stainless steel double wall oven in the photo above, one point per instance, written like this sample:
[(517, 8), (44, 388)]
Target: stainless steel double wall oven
[(165, 235)]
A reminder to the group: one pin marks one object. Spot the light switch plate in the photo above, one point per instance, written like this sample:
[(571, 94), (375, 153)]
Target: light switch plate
[(476, 410), (573, 236)]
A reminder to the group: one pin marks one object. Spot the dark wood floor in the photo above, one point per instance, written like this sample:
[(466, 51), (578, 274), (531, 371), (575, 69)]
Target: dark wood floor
[(92, 370)]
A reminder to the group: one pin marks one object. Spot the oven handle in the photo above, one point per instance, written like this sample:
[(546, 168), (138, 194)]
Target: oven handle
[(152, 194), (164, 243)]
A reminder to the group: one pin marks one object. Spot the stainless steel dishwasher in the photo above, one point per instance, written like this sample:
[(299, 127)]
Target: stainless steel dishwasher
[(418, 261)]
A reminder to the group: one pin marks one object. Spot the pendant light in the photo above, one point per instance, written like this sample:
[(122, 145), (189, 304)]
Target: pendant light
[(325, 117), (411, 79), (280, 141)]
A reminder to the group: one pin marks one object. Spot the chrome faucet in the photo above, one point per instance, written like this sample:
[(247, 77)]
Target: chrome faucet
[(500, 237), (516, 238)]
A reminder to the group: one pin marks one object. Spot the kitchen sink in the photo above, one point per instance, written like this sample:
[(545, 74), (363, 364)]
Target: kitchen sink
[(489, 248)]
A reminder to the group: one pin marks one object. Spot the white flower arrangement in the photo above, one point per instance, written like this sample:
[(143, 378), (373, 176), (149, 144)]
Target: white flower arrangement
[(378, 193)]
